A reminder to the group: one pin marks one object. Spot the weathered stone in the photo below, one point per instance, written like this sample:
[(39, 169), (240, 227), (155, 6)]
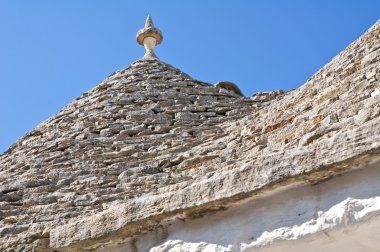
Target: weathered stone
[(150, 144), (229, 86), (266, 96), (85, 200), (12, 229)]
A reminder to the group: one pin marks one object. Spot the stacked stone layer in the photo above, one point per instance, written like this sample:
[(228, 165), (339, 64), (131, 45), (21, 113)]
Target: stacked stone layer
[(150, 143), (112, 144)]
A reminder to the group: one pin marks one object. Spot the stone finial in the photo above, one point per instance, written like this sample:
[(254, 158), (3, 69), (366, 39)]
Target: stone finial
[(149, 37)]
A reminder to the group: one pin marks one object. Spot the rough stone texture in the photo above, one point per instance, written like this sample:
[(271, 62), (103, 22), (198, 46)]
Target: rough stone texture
[(266, 96), (129, 136), (150, 144), (229, 86)]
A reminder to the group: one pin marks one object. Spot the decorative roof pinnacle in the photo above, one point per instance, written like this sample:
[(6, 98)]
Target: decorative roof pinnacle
[(149, 37)]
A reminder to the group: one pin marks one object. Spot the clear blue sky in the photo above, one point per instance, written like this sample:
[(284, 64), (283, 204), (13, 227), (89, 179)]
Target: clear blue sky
[(53, 51)]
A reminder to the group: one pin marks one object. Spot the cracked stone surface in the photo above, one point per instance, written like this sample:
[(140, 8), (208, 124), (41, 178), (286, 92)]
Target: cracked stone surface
[(150, 144)]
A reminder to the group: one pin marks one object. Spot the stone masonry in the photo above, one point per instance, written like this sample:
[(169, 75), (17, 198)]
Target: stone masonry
[(150, 143), (113, 143)]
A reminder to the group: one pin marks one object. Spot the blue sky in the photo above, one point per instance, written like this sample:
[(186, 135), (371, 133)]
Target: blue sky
[(53, 51)]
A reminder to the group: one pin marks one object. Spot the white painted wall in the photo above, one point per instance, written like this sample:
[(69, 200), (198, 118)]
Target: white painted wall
[(342, 213)]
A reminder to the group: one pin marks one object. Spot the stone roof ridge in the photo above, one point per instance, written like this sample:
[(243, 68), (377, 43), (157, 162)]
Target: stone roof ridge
[(366, 36), (375, 26)]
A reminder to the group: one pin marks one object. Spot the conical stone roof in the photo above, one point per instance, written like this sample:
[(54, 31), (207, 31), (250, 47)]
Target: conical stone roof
[(113, 143), (150, 144)]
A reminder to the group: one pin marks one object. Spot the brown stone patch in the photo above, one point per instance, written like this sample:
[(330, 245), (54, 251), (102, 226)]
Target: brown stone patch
[(329, 95), (188, 167), (281, 124), (299, 100), (317, 119), (313, 121)]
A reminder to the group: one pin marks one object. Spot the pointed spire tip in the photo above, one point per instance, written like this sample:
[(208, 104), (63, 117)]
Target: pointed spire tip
[(149, 22)]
